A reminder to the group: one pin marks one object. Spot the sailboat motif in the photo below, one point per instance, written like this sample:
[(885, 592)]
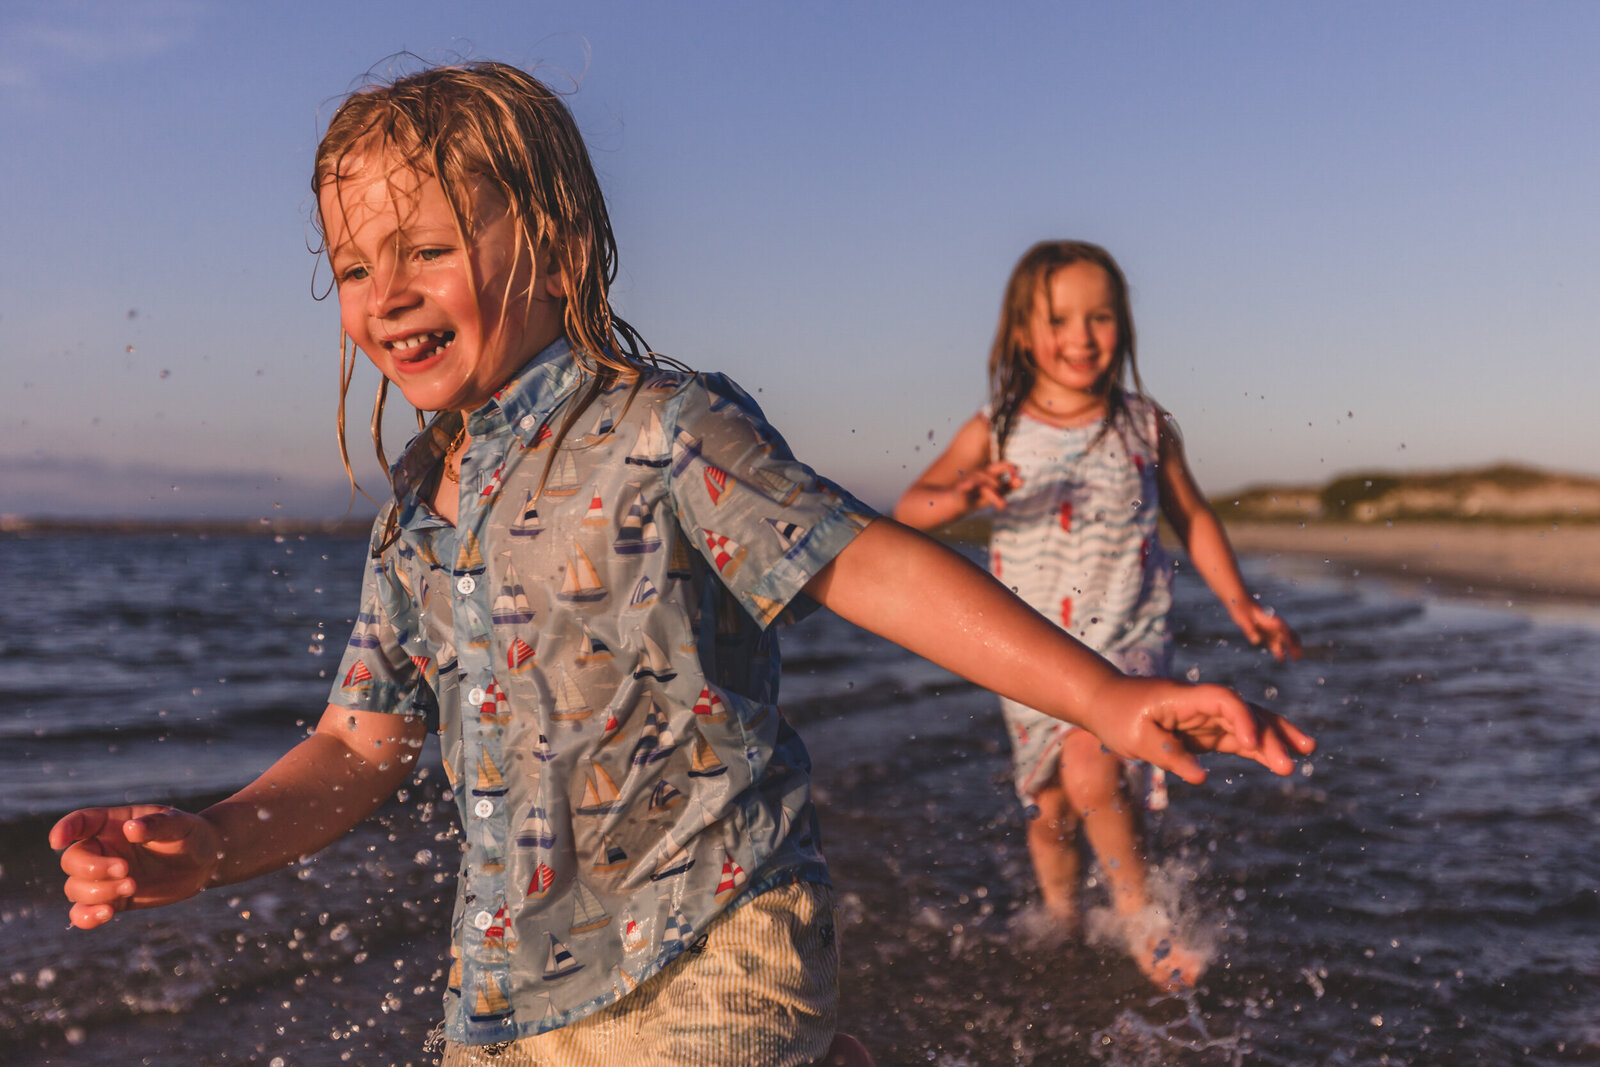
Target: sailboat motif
[(447, 659), (581, 584), (654, 662), (638, 533), (511, 605), (726, 553), (491, 710), (496, 941), (563, 480), (365, 633), (357, 677), (587, 911), (602, 425), (452, 982), (600, 795), (665, 797), (490, 783), (685, 450), (520, 656), (674, 865), (675, 938), (543, 880), (494, 861), (490, 1003), (733, 875), (709, 708), (656, 741), (716, 483), (705, 763), (469, 560), (491, 489), (540, 439), (609, 855), (527, 524), (425, 667), (634, 936), (644, 593), (779, 489), (596, 515), (560, 963), (542, 750), (789, 533), (595, 650), (651, 450), (571, 704), (536, 831)]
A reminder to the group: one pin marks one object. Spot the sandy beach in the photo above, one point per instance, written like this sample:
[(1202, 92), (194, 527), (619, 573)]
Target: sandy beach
[(1556, 561)]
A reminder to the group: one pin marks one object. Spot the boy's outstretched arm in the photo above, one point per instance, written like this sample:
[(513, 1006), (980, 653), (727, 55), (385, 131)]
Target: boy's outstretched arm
[(929, 599), (143, 856)]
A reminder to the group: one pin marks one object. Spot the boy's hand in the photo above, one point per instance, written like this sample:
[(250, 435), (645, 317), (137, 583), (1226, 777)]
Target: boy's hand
[(1165, 723), (141, 856), (1262, 627)]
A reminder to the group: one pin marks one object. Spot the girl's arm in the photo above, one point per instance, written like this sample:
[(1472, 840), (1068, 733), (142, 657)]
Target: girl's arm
[(960, 481), (927, 598), (1203, 537), (146, 855)]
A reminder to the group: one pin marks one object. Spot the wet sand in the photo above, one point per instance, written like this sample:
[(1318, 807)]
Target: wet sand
[(1555, 561)]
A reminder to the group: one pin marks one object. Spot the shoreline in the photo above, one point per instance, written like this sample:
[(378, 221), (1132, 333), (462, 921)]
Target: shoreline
[(1551, 562)]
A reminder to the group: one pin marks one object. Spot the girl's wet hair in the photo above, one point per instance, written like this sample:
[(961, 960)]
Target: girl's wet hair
[(493, 123), (1011, 366)]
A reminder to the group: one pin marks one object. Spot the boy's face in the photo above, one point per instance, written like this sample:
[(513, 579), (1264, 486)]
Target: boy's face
[(446, 321)]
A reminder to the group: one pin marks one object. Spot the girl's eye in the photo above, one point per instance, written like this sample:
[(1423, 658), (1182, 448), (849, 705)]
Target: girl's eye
[(354, 274), (430, 254)]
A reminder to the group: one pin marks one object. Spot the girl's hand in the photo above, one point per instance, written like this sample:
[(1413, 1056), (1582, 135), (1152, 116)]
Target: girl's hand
[(140, 856), (987, 486), (1262, 627), (1165, 723)]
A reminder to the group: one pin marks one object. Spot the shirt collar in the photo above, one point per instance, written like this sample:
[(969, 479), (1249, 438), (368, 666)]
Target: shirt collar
[(522, 405)]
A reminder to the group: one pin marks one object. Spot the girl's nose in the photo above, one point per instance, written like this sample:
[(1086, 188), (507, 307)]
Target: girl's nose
[(392, 291)]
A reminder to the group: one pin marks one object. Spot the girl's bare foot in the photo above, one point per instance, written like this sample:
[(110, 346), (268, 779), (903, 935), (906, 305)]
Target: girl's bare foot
[(1168, 963)]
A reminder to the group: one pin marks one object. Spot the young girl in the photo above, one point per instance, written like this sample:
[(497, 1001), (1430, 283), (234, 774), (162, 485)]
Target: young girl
[(1074, 464), (579, 572)]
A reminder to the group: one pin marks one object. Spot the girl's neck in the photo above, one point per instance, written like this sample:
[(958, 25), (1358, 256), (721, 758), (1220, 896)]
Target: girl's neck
[(1066, 410)]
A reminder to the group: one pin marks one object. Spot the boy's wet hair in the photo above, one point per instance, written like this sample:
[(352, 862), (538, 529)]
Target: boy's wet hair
[(1012, 370), (493, 123)]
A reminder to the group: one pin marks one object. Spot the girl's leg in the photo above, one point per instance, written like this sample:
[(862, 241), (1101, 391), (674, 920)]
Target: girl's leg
[(1096, 788), (1053, 845), (1093, 785)]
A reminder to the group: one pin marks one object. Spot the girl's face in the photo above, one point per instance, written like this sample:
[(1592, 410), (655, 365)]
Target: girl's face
[(446, 321), (1073, 333)]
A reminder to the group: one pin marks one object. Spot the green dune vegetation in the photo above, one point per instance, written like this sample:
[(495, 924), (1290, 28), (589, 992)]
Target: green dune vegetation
[(1502, 493)]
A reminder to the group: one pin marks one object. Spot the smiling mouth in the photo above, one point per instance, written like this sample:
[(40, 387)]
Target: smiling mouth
[(422, 345)]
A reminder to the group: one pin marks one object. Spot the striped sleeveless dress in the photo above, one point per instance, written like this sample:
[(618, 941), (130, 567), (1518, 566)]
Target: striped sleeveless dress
[(1078, 542)]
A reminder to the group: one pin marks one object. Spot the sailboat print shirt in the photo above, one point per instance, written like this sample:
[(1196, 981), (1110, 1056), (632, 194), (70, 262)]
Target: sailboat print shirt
[(600, 655)]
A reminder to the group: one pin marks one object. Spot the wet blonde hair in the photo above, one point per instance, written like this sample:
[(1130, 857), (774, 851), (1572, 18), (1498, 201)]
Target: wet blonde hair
[(1012, 370), (494, 123)]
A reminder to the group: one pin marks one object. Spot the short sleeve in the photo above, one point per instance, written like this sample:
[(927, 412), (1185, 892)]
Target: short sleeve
[(376, 673), (766, 522)]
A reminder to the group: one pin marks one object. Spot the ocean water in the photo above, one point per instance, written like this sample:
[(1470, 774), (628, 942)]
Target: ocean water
[(1423, 891)]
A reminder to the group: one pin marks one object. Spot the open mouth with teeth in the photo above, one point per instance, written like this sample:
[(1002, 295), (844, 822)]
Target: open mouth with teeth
[(422, 346)]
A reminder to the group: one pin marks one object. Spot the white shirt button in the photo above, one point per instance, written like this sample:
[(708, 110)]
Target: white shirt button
[(465, 585), (483, 809), (482, 920), (527, 422), (476, 695)]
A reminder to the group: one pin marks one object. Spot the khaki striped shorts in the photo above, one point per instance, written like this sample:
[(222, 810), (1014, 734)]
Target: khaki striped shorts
[(762, 991)]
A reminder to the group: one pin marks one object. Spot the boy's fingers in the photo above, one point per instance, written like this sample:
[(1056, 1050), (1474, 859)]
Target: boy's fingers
[(88, 891), (159, 826), (76, 826), (87, 917), (83, 861), (1175, 759)]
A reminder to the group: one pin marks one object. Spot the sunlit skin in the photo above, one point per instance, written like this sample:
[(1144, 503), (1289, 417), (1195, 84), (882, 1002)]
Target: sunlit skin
[(1073, 336)]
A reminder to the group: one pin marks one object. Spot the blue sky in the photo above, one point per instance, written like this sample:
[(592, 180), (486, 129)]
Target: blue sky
[(1359, 234)]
